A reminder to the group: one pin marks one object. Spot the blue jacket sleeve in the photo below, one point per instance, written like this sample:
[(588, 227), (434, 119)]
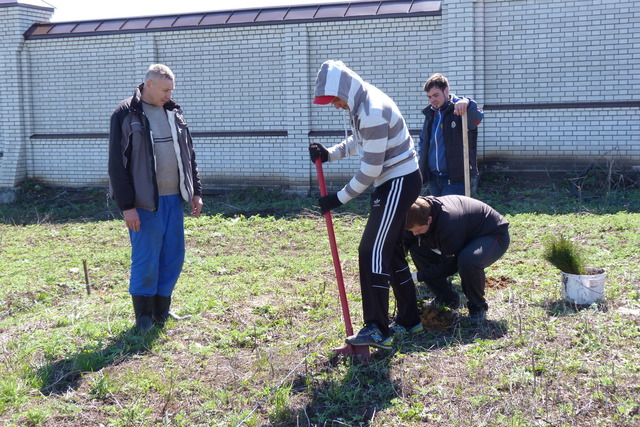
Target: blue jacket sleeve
[(474, 114)]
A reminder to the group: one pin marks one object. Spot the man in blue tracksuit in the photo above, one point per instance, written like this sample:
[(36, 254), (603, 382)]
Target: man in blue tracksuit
[(152, 169)]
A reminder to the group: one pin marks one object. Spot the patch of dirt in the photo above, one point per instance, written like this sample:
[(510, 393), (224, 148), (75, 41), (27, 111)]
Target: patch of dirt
[(436, 319), (498, 282)]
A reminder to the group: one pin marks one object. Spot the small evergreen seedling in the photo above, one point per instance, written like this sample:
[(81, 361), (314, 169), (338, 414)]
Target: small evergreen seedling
[(564, 254)]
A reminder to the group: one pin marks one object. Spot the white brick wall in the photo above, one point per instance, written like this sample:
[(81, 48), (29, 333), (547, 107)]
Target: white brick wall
[(572, 136), (15, 91), (558, 51), (569, 51), (77, 82), (261, 78)]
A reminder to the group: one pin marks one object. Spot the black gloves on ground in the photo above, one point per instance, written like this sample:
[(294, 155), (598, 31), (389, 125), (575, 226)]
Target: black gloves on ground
[(318, 150), (329, 202)]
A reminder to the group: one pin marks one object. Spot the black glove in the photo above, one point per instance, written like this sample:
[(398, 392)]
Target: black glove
[(318, 150), (329, 202)]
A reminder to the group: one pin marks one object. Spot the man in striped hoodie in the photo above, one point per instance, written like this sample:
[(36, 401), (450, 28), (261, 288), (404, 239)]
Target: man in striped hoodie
[(388, 161)]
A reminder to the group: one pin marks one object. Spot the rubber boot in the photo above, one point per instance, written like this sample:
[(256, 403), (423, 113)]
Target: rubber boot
[(142, 307), (161, 310)]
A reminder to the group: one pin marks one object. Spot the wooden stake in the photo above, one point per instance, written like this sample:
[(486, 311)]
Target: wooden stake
[(86, 276), (465, 149)]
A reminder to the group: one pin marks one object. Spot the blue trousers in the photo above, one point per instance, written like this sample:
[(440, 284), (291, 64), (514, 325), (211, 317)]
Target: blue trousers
[(158, 249), (439, 185)]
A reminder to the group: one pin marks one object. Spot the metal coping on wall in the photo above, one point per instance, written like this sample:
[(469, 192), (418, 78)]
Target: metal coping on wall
[(337, 133), (562, 105), (232, 134), (216, 134), (238, 18), (332, 133)]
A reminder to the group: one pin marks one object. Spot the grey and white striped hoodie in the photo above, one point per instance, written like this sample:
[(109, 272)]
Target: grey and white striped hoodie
[(380, 135)]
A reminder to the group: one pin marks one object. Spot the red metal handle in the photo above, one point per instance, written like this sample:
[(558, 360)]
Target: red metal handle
[(334, 252)]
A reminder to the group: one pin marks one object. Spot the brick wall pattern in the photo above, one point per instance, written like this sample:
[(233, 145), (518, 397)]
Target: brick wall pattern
[(260, 78)]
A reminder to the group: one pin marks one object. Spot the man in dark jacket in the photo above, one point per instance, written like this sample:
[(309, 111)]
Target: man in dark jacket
[(441, 144), (152, 169), (467, 235)]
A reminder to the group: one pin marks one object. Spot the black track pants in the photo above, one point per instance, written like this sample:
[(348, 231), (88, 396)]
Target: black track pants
[(382, 256), (479, 254)]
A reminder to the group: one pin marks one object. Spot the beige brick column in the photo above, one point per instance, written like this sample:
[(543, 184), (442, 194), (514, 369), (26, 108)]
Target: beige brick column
[(15, 129), (298, 98), (463, 46)]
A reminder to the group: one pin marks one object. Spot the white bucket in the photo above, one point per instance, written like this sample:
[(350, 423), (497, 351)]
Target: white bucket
[(584, 289)]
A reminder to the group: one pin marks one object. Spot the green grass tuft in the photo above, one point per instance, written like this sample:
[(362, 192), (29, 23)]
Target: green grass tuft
[(564, 254)]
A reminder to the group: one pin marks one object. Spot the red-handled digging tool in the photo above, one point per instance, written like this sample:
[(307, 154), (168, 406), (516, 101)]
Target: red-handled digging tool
[(350, 350)]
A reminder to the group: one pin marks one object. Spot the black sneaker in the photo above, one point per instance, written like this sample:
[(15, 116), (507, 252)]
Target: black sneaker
[(478, 317), (370, 335)]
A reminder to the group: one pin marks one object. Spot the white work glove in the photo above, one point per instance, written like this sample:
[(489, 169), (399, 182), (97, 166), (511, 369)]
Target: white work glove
[(414, 276)]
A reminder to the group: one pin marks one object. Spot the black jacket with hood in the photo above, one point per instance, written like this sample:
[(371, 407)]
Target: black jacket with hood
[(456, 221), (132, 172)]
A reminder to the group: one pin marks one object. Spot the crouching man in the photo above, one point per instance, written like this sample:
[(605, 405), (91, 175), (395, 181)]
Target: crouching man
[(456, 234)]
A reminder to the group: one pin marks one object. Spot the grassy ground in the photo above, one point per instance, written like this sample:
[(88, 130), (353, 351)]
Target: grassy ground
[(260, 286)]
